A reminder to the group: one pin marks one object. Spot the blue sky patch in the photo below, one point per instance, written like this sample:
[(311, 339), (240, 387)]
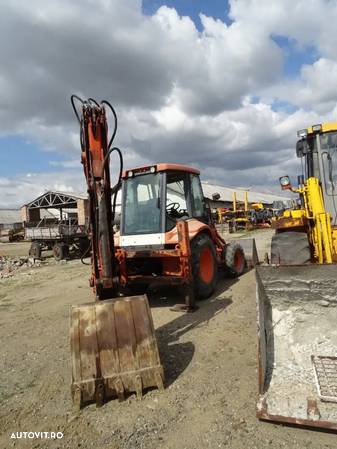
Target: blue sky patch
[(294, 55), (18, 156), (255, 99), (218, 9), (283, 106)]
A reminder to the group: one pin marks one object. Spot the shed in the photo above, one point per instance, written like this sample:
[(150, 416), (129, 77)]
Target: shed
[(226, 196)]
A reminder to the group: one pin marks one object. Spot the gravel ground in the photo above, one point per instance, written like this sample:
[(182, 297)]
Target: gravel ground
[(209, 358)]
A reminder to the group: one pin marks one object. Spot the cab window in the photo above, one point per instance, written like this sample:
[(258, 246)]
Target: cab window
[(198, 204)]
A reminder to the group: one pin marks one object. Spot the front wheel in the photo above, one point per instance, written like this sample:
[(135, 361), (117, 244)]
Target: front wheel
[(235, 261), (204, 266)]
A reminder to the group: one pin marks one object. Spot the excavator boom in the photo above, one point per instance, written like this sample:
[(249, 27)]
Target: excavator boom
[(113, 345), (95, 155)]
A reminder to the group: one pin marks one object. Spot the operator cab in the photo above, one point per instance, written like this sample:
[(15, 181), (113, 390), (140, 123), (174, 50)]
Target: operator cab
[(318, 147), (155, 198)]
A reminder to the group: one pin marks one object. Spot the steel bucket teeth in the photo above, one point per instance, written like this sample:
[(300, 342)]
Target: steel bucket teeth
[(114, 350)]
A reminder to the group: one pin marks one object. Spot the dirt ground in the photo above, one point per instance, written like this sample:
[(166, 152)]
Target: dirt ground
[(209, 358)]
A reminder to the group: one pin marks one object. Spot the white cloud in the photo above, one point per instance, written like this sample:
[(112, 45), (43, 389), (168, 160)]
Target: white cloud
[(315, 89), (19, 190), (180, 94)]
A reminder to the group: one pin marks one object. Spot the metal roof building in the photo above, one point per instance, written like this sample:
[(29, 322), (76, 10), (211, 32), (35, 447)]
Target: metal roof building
[(226, 194), (10, 218), (54, 205), (54, 200)]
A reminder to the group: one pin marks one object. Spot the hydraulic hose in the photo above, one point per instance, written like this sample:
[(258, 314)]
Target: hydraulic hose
[(92, 103)]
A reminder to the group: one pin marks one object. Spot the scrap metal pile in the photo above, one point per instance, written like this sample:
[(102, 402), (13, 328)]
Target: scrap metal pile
[(10, 265)]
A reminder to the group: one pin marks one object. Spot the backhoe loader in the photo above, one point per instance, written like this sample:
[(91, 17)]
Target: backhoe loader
[(166, 237), (297, 294)]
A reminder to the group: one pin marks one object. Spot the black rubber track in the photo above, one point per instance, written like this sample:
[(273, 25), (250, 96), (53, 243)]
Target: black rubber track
[(290, 248)]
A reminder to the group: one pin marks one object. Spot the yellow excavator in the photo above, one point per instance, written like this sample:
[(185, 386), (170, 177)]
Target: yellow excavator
[(297, 294), (308, 233)]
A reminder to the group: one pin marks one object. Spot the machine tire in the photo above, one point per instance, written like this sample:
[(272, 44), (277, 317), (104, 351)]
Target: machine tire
[(235, 261), (84, 247), (60, 251), (290, 248), (35, 250), (204, 266)]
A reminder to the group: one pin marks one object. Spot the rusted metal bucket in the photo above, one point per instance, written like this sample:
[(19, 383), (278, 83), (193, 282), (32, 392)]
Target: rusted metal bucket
[(114, 350), (297, 362)]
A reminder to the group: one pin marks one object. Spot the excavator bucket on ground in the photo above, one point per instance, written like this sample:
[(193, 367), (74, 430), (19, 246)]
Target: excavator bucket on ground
[(114, 350), (297, 328)]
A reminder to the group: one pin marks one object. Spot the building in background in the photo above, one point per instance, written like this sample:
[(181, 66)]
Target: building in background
[(225, 199), (53, 206), (10, 219)]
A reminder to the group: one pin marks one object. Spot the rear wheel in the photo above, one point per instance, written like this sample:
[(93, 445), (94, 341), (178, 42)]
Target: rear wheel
[(204, 266), (235, 259), (35, 250), (60, 251), (290, 248)]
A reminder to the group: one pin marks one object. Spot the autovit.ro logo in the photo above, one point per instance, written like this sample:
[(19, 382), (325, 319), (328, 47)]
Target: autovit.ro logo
[(34, 435)]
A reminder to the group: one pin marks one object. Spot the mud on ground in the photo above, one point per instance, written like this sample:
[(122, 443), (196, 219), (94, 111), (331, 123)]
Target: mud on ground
[(209, 358)]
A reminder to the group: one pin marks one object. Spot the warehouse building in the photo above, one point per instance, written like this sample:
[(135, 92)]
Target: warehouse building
[(51, 204), (226, 196), (10, 219)]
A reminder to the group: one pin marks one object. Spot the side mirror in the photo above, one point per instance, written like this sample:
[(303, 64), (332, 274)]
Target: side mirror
[(216, 196), (299, 148), (302, 148), (285, 183)]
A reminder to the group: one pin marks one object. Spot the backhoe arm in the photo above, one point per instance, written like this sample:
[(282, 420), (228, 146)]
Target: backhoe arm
[(95, 155)]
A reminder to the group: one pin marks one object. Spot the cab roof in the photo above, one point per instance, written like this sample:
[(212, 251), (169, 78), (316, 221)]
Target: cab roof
[(163, 167), (326, 127)]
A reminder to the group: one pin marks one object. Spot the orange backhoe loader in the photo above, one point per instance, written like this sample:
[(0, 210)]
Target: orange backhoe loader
[(166, 237)]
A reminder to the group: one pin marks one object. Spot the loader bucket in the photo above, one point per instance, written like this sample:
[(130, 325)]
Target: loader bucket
[(114, 350), (249, 248), (297, 354)]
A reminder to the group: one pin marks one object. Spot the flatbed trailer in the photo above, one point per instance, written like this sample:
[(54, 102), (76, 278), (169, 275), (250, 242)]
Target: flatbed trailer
[(61, 238)]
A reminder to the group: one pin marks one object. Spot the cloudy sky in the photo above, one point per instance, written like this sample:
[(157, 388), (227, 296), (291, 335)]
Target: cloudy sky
[(222, 85)]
